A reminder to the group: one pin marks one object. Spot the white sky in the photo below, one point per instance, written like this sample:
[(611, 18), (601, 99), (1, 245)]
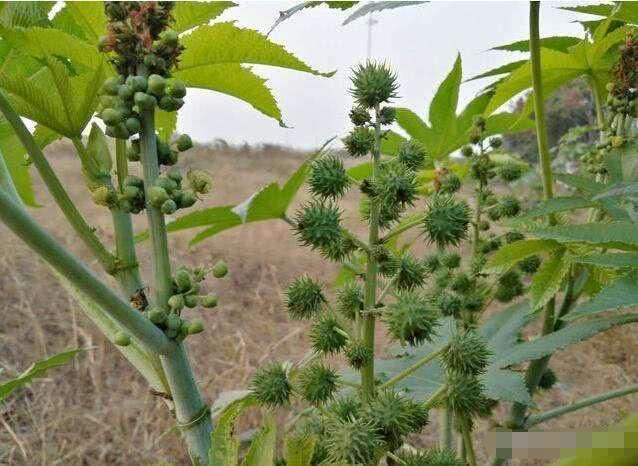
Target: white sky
[(420, 42)]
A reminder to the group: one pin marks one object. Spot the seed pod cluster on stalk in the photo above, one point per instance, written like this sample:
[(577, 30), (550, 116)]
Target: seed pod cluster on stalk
[(389, 284), (145, 52)]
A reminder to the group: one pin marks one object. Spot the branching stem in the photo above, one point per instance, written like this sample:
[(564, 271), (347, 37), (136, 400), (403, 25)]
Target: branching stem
[(412, 369)]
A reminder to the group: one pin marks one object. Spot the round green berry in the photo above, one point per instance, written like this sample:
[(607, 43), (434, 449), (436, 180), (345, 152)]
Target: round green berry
[(183, 142), (122, 339), (210, 300)]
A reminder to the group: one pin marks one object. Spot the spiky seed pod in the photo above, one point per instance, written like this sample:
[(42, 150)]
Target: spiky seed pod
[(412, 318), (352, 441), (448, 304), (157, 315), (530, 264), (318, 224), (489, 245), (220, 269), (478, 262), (122, 339), (346, 408), (318, 383), (104, 196), (314, 426), (442, 278), (359, 116), (196, 326), (484, 225), (186, 200), (373, 84), (271, 386), (466, 354), (325, 334), (510, 171), (358, 354), (482, 168), (157, 196), (173, 321), (548, 379), (395, 186), (495, 213), (461, 283), (169, 207), (133, 125), (446, 220), (200, 181), (328, 177), (467, 151), (450, 183), (510, 206), (451, 260), (388, 214), (182, 280), (432, 262), (359, 142), (349, 299), (475, 136), (210, 300), (387, 115), (176, 302), (473, 302), (496, 143), (304, 298), (410, 273), (392, 412), (411, 154), (464, 395), (509, 287), (339, 250), (183, 142), (479, 122), (431, 458)]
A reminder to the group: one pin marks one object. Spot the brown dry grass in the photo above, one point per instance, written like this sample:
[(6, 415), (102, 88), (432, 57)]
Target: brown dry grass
[(98, 411)]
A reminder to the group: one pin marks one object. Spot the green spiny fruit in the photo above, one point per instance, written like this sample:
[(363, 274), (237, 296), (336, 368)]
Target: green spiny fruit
[(328, 177), (358, 354), (326, 334), (170, 104), (157, 315), (196, 326), (466, 354), (410, 273), (157, 196), (448, 304), (411, 155), (496, 143), (220, 269), (318, 383), (173, 321), (349, 300), (339, 250), (464, 395), (168, 207), (200, 181), (431, 458), (183, 142), (346, 407), (394, 414), (304, 298), (450, 183), (461, 283), (176, 302), (359, 142), (175, 88), (373, 84), (144, 101), (183, 280), (432, 262), (318, 224), (111, 116), (412, 319), (548, 379), (359, 116), (352, 441), (451, 260), (510, 171), (271, 386), (395, 186), (387, 115), (509, 206), (530, 264), (446, 220)]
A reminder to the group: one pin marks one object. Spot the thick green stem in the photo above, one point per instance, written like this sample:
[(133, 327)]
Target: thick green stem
[(445, 429), (190, 410), (468, 445), (370, 296), (412, 369), (53, 184), (592, 400), (16, 218)]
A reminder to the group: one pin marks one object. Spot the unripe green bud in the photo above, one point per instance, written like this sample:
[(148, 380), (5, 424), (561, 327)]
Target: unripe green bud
[(220, 269), (173, 321), (196, 326), (156, 85), (175, 175), (131, 192), (118, 131), (170, 104), (200, 181), (144, 101), (137, 83), (186, 200), (209, 300), (122, 339), (183, 280), (175, 88), (157, 315), (192, 301), (111, 116), (104, 196), (132, 180), (184, 142), (157, 196), (169, 37), (169, 207), (176, 302), (133, 125), (111, 86), (359, 116), (167, 183), (125, 92)]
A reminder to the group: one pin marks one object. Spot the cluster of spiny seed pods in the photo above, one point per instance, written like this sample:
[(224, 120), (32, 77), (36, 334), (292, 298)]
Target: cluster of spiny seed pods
[(144, 52), (622, 107)]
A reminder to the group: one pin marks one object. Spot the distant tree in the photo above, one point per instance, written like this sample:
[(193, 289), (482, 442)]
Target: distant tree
[(569, 107)]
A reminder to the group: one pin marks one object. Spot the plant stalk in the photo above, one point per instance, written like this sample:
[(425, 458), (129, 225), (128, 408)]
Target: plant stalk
[(592, 400), (370, 296), (190, 410), (16, 218), (468, 445), (412, 369), (53, 184)]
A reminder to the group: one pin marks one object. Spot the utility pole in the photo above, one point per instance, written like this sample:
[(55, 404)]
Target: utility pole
[(371, 22)]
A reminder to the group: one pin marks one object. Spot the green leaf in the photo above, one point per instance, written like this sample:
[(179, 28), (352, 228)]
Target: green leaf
[(510, 254), (503, 69), (555, 205), (165, 123), (573, 333), (190, 14), (503, 384), (548, 279), (84, 20), (262, 448), (620, 235), (391, 143), (224, 449), (412, 124), (37, 370), (626, 188), (560, 43), (371, 7), (443, 106), (98, 149), (361, 171), (25, 14), (299, 450), (609, 259), (584, 184), (621, 293)]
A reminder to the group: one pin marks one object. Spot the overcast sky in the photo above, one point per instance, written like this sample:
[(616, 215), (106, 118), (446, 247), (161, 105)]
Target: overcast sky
[(420, 42)]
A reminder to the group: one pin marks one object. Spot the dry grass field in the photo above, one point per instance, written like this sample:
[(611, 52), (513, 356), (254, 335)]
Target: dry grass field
[(98, 410)]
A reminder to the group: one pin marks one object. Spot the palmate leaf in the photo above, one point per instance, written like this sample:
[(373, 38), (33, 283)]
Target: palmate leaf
[(448, 131), (262, 449), (25, 14), (224, 449), (299, 450), (621, 293), (547, 281), (555, 205), (37, 370), (619, 235), (560, 43), (510, 254), (372, 7), (191, 14)]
